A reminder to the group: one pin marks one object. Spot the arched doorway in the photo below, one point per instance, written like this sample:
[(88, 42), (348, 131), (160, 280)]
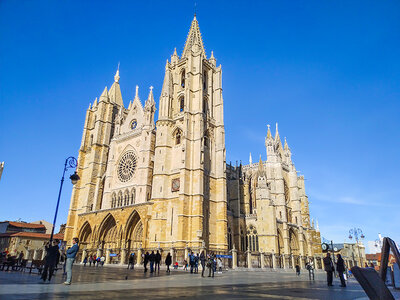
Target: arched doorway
[(85, 234), (134, 234), (108, 233)]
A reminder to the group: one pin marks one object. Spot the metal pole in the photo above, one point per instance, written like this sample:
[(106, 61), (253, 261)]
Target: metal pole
[(58, 201), (333, 254)]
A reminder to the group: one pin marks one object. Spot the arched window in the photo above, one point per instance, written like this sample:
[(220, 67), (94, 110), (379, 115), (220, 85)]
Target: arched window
[(133, 196), (206, 141), (178, 136), (252, 239), (242, 241), (126, 199), (181, 104), (183, 78), (205, 106), (229, 239), (91, 140), (113, 201)]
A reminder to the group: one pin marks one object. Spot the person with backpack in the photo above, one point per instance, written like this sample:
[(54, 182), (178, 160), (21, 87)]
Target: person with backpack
[(203, 263), (329, 268), (340, 267)]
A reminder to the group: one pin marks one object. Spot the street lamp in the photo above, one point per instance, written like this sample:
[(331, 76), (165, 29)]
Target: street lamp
[(70, 162), (356, 233)]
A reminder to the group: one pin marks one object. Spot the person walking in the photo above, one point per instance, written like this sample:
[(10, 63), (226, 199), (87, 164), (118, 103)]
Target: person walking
[(85, 260), (152, 259), (90, 260), (158, 261), (131, 261), (210, 265), (168, 261), (219, 265), (340, 267), (297, 267), (102, 260), (20, 257), (50, 260), (196, 263), (146, 261), (203, 263), (329, 268), (71, 254), (310, 268), (191, 261)]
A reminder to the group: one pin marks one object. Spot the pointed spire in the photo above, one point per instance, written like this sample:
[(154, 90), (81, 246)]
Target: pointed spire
[(150, 99), (317, 225), (174, 57), (277, 138), (193, 38), (90, 105), (137, 92), (105, 93), (250, 159), (269, 135), (130, 105), (116, 77), (286, 147), (260, 165), (212, 59)]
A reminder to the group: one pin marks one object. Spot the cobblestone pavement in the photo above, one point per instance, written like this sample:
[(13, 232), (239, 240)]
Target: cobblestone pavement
[(120, 283)]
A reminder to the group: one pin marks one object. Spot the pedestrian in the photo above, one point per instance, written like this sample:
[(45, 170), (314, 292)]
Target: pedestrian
[(297, 267), (98, 261), (102, 260), (131, 261), (196, 263), (157, 261), (146, 261), (64, 259), (329, 268), (176, 265), (50, 260), (168, 261), (20, 257), (340, 267), (310, 268), (210, 265), (191, 260), (85, 260), (71, 254), (203, 263), (152, 259), (185, 265), (90, 260), (94, 260), (219, 265)]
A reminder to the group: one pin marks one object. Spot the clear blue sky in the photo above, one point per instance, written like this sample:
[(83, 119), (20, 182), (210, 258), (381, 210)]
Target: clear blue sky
[(327, 71)]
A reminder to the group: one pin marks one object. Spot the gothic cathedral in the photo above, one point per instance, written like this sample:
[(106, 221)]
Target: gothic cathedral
[(165, 185)]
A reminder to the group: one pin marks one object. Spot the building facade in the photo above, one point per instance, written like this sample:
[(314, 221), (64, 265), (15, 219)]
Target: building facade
[(165, 185), (29, 238)]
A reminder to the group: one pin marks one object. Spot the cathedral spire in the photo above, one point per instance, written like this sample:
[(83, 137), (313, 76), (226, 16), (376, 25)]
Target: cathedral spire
[(115, 90), (269, 134), (194, 38), (250, 159), (286, 147), (260, 165), (277, 138), (116, 77), (137, 93), (150, 99)]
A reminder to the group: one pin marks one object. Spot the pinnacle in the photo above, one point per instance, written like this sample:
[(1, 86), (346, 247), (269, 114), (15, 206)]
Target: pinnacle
[(193, 38), (269, 135)]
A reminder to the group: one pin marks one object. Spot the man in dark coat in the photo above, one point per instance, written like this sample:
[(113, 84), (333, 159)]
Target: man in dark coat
[(168, 261), (146, 261), (50, 260), (203, 263), (328, 265), (152, 259), (158, 260), (340, 267)]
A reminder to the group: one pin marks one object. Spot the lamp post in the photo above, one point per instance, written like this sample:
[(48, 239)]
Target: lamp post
[(70, 162), (357, 233)]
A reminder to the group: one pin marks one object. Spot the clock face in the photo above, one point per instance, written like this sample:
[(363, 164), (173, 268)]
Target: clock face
[(324, 247), (176, 184), (133, 124)]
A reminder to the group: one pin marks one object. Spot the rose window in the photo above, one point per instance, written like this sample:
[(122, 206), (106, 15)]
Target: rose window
[(127, 166)]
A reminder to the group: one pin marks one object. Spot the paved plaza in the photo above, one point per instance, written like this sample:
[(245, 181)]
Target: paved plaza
[(120, 283)]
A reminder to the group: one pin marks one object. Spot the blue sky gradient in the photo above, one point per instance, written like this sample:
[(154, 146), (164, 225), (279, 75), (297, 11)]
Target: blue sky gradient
[(327, 71)]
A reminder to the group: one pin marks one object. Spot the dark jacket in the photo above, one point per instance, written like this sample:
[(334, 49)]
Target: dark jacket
[(202, 259), (168, 260), (51, 255), (158, 257), (152, 257), (328, 264), (340, 265)]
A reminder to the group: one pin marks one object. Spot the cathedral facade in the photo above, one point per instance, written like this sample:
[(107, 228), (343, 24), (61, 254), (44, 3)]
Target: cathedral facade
[(165, 185)]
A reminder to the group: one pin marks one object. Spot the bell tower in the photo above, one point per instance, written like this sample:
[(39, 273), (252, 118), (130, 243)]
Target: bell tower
[(189, 183)]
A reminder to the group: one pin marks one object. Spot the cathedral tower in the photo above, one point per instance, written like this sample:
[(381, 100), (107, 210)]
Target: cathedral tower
[(189, 182)]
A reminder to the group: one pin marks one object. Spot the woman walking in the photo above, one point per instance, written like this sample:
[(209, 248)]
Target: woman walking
[(168, 261)]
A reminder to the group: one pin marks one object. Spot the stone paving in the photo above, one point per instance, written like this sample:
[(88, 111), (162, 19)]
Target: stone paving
[(120, 283)]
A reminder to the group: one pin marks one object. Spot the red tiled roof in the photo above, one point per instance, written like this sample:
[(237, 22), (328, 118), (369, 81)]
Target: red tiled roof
[(26, 225), (58, 236)]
